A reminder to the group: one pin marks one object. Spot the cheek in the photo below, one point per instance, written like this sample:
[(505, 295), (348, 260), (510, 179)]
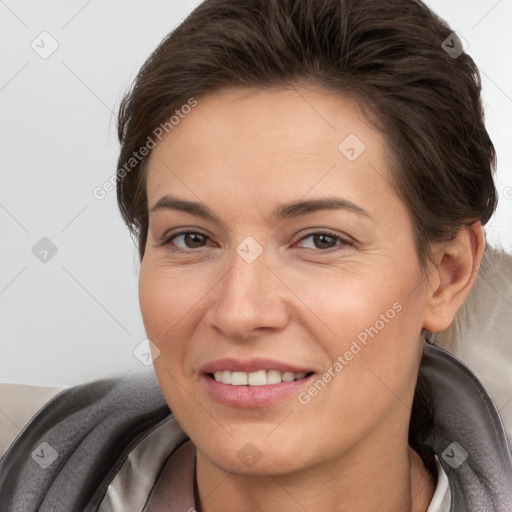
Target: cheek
[(166, 303), (369, 330), (355, 303), (166, 298), (156, 304), (369, 322)]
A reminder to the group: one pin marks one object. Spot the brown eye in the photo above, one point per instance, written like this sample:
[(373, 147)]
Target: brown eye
[(322, 241), (187, 240)]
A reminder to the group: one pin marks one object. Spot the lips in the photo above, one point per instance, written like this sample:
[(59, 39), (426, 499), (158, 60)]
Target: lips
[(252, 365), (253, 383)]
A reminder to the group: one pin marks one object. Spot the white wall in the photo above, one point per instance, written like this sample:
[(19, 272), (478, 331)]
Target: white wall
[(75, 317)]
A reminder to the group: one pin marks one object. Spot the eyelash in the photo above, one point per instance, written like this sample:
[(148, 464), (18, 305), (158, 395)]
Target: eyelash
[(342, 242)]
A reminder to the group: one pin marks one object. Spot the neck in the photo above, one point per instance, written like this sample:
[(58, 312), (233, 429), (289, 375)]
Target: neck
[(393, 480)]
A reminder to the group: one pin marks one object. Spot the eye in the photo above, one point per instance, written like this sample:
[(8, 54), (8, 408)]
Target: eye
[(186, 240), (322, 240)]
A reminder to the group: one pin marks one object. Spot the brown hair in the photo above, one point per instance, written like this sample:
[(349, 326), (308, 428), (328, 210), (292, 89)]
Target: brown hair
[(391, 54)]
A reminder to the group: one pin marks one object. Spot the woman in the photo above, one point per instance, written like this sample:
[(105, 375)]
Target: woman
[(307, 182)]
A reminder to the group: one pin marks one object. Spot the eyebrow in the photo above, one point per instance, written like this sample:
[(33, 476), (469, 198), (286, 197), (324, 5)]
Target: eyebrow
[(281, 212)]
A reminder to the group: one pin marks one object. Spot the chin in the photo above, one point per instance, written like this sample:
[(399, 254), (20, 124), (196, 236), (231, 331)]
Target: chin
[(251, 461)]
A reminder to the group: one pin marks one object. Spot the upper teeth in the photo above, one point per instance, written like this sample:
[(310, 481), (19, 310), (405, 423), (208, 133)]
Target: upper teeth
[(257, 378)]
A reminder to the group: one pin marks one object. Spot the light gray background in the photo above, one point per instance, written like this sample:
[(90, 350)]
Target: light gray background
[(75, 317)]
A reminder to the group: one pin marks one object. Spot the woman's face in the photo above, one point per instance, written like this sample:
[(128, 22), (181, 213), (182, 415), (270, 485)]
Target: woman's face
[(277, 247)]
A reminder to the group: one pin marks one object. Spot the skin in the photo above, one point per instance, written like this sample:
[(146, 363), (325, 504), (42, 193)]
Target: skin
[(241, 153)]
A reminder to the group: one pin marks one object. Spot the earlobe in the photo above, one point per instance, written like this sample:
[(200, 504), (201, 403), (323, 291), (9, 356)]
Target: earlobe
[(458, 262)]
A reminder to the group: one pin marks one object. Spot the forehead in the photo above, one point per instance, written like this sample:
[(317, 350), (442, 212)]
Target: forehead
[(278, 143)]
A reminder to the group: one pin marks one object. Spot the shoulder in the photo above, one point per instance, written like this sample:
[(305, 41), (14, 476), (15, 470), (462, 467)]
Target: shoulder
[(19, 403), (72, 448), (467, 435)]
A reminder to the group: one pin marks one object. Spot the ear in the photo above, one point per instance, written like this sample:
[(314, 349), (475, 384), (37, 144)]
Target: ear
[(453, 276)]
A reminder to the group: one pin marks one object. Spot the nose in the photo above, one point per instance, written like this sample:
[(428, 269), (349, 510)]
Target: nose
[(249, 300)]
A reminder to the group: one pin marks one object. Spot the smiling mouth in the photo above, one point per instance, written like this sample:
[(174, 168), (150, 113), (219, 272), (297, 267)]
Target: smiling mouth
[(256, 378)]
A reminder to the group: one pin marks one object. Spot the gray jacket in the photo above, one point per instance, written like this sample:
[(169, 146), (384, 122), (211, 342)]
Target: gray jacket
[(73, 455)]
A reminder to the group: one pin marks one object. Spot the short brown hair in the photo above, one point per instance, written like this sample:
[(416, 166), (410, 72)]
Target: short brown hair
[(390, 54)]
